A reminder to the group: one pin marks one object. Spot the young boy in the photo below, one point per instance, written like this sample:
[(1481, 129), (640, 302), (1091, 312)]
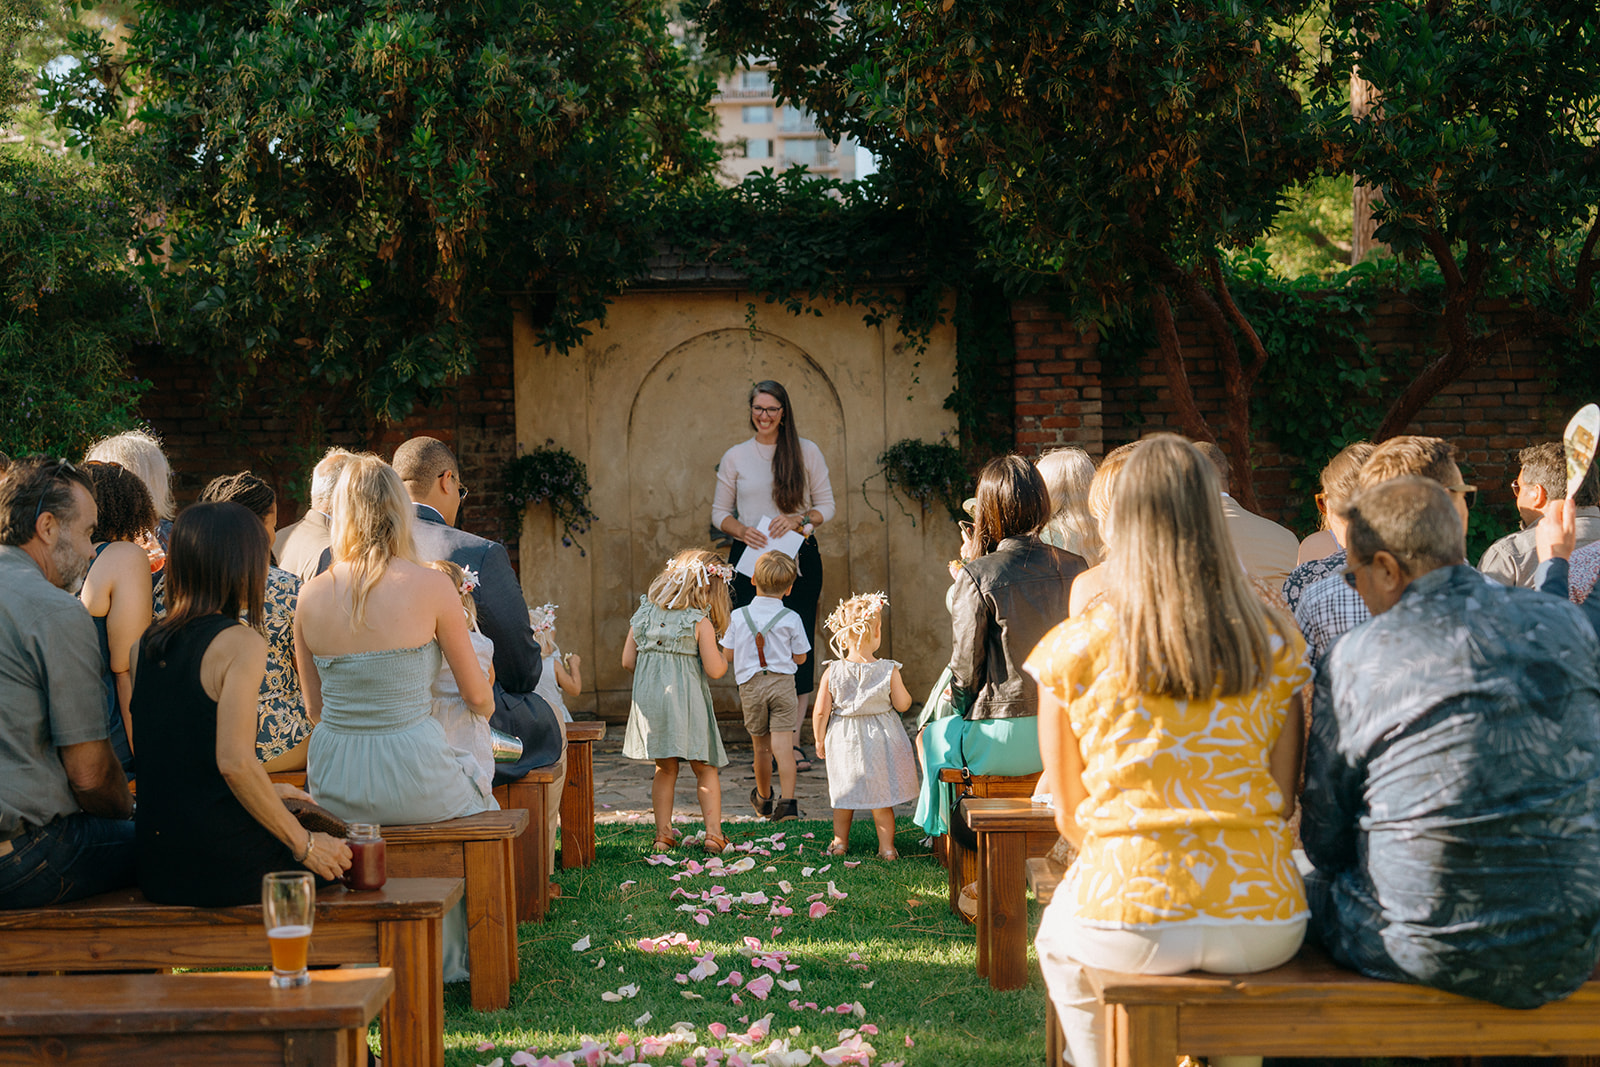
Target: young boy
[(768, 642)]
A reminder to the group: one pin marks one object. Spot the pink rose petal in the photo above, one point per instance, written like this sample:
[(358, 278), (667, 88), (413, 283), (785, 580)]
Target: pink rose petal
[(909, 1043), (485, 1046), (818, 910)]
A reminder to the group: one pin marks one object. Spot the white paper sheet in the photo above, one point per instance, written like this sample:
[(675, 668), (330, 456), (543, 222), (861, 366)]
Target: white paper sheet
[(789, 544)]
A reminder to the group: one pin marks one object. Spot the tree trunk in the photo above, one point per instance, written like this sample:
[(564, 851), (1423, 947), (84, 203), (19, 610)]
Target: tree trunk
[(1187, 411), (1362, 241)]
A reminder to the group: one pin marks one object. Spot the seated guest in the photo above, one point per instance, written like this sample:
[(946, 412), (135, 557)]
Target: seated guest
[(1557, 533), (1452, 796), (140, 452), (1330, 608), (1170, 726), (369, 635), (1339, 480), (1068, 473), (1090, 585), (210, 821), (283, 729), (1541, 481), (117, 588), (1007, 597), (1268, 551), (300, 545), (64, 803)]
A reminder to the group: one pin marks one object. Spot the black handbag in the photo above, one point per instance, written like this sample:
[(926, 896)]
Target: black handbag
[(529, 717)]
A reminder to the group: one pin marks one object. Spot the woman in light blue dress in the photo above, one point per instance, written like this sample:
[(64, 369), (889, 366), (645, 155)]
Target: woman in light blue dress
[(370, 633)]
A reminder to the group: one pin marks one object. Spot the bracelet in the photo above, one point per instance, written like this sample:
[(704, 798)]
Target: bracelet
[(311, 843)]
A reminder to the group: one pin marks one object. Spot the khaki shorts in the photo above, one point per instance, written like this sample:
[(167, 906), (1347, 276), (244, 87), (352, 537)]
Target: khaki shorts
[(770, 704)]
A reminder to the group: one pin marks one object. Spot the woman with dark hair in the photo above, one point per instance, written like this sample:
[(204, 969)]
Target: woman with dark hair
[(117, 588), (781, 476), (1008, 595), (283, 731), (210, 822)]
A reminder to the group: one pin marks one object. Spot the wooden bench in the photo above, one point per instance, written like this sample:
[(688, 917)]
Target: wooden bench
[(577, 797), (532, 857), (477, 848), (398, 926), (962, 864), (1009, 831), (191, 1020), (1313, 1007)]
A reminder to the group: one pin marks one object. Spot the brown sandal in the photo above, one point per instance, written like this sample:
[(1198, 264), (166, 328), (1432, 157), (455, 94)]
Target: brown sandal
[(662, 844), (836, 848), (716, 844)]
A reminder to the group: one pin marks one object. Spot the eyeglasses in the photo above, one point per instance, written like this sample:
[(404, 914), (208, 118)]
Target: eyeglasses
[(1469, 492), (461, 490), (61, 465), (759, 410), (1516, 487)]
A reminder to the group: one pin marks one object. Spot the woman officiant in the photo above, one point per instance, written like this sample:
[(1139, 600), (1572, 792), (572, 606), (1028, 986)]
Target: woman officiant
[(781, 475)]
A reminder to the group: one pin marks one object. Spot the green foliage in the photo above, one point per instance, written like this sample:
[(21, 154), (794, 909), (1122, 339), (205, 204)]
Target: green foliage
[(69, 307), (1311, 235), (928, 472), (350, 191), (18, 19), (548, 475)]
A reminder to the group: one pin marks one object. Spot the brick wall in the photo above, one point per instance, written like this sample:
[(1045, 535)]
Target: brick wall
[(475, 419), (1064, 398)]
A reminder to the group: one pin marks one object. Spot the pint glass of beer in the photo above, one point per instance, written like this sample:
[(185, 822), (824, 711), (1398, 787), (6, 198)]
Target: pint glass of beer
[(288, 900)]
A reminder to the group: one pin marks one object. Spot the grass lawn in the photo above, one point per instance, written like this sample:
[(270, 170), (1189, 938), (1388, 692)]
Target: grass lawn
[(912, 971)]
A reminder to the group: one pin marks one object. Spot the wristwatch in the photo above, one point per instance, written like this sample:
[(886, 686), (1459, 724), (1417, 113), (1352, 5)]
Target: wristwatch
[(808, 527)]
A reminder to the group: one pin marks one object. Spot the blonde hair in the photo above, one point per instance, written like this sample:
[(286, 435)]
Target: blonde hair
[(1068, 473), (853, 620), (1342, 477), (372, 518), (774, 572), (1103, 487), (1189, 624), (695, 578), (458, 577), (140, 452)]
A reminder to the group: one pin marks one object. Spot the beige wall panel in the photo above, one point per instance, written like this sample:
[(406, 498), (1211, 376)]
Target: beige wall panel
[(652, 401)]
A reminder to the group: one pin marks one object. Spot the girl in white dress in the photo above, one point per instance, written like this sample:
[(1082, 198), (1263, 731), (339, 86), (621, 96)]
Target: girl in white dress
[(858, 730), (563, 672)]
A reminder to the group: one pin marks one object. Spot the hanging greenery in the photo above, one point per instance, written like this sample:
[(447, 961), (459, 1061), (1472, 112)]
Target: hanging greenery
[(926, 472), (549, 475)]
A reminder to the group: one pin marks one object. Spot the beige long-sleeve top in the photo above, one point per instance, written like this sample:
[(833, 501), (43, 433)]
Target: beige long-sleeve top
[(744, 483)]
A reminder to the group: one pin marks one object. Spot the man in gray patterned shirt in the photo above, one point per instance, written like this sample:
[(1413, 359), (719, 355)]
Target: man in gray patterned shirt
[(1452, 797)]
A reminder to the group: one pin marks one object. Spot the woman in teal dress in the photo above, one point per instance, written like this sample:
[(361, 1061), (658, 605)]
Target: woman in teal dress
[(370, 633)]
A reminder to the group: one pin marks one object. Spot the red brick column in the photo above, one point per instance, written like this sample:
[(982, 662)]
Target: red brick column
[(1057, 382)]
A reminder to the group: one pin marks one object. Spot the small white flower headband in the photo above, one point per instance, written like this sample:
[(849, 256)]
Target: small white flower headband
[(679, 571), (542, 618), (469, 579), (851, 620)]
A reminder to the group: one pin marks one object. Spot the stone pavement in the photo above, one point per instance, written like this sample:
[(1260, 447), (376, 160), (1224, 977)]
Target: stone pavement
[(622, 786)]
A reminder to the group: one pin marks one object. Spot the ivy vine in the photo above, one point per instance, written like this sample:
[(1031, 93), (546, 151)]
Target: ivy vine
[(554, 476), (925, 472)]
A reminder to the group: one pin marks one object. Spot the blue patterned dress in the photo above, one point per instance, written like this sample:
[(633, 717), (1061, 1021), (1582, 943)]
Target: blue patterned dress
[(1452, 798)]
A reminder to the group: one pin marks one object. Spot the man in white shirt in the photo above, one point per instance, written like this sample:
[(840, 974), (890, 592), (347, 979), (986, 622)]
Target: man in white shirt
[(1268, 551), (1541, 480), (299, 545), (769, 643)]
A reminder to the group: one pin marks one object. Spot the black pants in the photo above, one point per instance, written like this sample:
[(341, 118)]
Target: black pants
[(802, 600)]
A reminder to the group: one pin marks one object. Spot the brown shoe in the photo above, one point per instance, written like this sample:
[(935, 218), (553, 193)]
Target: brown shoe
[(716, 844)]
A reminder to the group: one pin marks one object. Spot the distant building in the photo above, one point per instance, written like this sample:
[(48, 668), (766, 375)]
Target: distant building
[(761, 133)]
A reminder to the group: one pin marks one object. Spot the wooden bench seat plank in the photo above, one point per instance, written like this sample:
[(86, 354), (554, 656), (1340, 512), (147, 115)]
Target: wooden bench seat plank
[(398, 926), (299, 1048), (171, 1003), (484, 826)]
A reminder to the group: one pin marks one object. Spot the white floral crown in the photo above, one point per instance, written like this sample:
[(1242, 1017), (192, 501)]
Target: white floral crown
[(469, 579), (851, 620), (542, 618), (679, 571)]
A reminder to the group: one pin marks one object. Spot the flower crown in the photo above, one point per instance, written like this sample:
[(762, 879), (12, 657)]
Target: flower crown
[(469, 579), (679, 571), (851, 620), (542, 618)]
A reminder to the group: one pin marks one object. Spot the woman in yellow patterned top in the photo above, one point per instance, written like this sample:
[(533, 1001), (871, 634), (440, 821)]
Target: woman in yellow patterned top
[(1170, 727)]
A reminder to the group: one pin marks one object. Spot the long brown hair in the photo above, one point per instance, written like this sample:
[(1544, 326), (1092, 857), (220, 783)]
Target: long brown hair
[(216, 565), (1188, 623), (788, 466), (1012, 501)]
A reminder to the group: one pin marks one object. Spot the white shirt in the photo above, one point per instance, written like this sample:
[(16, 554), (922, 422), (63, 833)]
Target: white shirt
[(784, 639), (744, 483)]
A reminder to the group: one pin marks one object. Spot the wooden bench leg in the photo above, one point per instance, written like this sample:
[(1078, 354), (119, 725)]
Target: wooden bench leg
[(532, 849), (489, 900), (577, 806), (963, 871), (412, 1022), (1003, 909), (1141, 1035), (1054, 1046)]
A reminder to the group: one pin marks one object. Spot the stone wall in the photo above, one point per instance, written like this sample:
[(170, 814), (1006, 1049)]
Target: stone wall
[(476, 419), (1064, 398)]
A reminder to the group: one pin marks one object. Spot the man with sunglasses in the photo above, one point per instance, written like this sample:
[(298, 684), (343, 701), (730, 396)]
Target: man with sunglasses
[(65, 831), (1331, 608), (1452, 799), (1541, 481)]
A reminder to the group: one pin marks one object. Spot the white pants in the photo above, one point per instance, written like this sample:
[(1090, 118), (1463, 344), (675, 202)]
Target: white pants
[(1065, 947)]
